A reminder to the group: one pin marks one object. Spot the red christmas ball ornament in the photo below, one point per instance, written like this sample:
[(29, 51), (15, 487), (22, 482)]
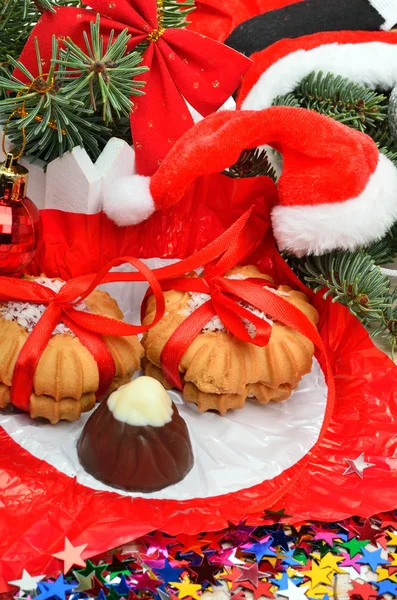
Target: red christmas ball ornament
[(20, 223)]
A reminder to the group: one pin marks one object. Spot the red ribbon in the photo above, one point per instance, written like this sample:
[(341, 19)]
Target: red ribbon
[(227, 251), (230, 249), (183, 65), (88, 327)]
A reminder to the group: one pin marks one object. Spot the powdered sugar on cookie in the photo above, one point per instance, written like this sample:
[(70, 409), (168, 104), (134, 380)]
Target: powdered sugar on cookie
[(196, 300), (27, 314)]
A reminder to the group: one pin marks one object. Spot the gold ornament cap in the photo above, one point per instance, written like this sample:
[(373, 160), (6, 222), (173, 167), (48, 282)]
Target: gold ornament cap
[(13, 180)]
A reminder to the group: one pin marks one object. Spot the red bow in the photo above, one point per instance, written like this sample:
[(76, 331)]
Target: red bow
[(88, 327), (183, 66), (230, 249)]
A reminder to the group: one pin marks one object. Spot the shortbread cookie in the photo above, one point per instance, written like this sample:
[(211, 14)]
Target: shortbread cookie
[(67, 377), (219, 371)]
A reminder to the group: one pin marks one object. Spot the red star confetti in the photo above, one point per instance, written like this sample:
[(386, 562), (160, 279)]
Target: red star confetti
[(365, 590), (249, 574), (71, 556), (145, 582), (215, 538), (192, 543), (158, 542), (275, 516), (367, 532)]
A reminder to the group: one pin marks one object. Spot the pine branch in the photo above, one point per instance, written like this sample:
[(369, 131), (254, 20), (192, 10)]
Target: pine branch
[(387, 327), (172, 14), (53, 122), (102, 77), (252, 163), (339, 98), (17, 19), (353, 279), (175, 13)]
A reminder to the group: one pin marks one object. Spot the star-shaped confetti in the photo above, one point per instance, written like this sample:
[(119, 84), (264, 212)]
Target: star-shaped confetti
[(326, 535), (249, 574), (71, 556), (273, 560), (363, 590), (372, 558), (275, 516), (158, 542), (384, 574), (357, 466), (145, 582), (192, 543), (331, 561), (386, 587), (354, 546), (206, 573), (56, 589), (27, 583), (84, 581), (118, 567), (349, 561), (169, 573), (280, 538), (227, 557), (392, 538), (260, 549), (187, 588), (367, 531), (260, 589), (318, 574), (240, 534), (97, 569), (288, 557)]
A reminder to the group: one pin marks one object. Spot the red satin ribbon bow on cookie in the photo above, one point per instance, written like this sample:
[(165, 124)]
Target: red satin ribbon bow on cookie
[(184, 66), (88, 327), (229, 250)]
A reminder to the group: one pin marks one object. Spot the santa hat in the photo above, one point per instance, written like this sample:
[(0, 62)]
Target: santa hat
[(309, 17), (333, 181), (367, 58)]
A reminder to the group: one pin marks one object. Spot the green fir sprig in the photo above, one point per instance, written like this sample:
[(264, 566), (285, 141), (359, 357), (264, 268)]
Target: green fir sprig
[(351, 278), (175, 13), (42, 110), (343, 100), (17, 19), (102, 76)]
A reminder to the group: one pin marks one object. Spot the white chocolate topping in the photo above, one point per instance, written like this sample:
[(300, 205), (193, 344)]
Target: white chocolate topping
[(142, 402)]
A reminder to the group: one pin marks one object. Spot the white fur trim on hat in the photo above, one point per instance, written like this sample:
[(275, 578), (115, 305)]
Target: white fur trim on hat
[(388, 10), (372, 64), (127, 200), (345, 225)]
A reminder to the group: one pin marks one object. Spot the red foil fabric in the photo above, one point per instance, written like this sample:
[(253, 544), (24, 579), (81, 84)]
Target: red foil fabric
[(39, 506)]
